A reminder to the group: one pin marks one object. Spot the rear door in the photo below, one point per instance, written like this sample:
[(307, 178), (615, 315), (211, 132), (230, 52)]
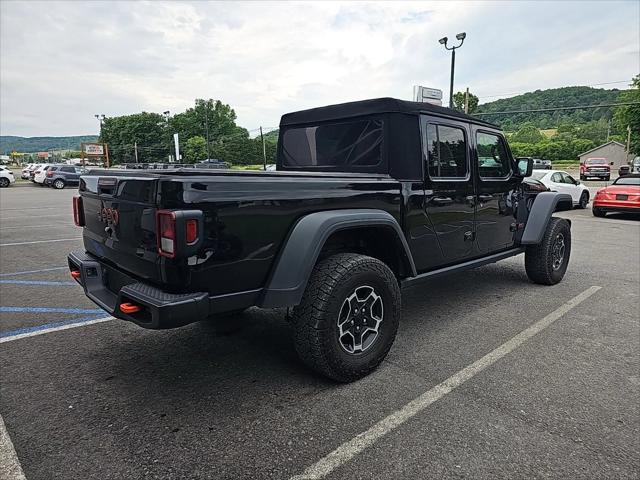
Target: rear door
[(449, 195), (494, 167)]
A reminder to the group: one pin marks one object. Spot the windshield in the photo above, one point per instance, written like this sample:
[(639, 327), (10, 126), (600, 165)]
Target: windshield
[(596, 161), (635, 181), (537, 174)]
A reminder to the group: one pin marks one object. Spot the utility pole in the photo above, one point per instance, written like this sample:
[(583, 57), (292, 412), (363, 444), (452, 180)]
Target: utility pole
[(466, 101), (135, 147), (206, 123), (264, 150), (176, 142), (608, 129), (628, 139)]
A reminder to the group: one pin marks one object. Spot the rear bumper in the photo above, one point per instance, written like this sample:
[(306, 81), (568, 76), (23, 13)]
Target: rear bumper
[(109, 288), (619, 206)]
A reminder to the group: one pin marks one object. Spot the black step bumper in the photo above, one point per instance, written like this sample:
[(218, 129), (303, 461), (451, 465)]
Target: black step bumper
[(109, 288)]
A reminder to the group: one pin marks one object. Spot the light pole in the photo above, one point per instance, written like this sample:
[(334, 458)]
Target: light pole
[(443, 41), (100, 118), (166, 114)]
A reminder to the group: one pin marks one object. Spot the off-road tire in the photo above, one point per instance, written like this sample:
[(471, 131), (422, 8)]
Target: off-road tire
[(584, 200), (4, 182), (58, 184), (597, 212), (315, 321), (539, 259)]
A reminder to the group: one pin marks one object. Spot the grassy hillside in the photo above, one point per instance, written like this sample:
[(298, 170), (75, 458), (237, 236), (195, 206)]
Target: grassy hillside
[(554, 97), (9, 143)]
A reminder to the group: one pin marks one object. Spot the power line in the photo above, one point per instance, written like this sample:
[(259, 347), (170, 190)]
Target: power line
[(579, 107)]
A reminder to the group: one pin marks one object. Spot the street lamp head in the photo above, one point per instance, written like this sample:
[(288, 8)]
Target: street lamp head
[(443, 41), (461, 36), (166, 113)]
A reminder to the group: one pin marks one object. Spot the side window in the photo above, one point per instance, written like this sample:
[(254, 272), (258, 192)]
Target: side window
[(493, 160), (568, 179), (67, 169), (446, 152), (556, 178)]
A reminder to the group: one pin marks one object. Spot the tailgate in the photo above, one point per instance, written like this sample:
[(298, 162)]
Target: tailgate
[(120, 225)]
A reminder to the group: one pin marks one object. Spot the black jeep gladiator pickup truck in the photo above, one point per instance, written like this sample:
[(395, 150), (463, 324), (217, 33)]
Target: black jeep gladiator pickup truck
[(368, 197)]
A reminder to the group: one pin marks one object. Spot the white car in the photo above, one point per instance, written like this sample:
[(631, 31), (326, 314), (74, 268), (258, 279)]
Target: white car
[(26, 171), (40, 174), (6, 177), (562, 182)]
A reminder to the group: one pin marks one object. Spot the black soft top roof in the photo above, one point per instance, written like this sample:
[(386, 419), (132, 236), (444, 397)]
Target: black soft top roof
[(372, 107)]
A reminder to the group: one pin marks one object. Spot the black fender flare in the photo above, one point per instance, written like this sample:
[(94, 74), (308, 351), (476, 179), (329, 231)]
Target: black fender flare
[(300, 252), (543, 207)]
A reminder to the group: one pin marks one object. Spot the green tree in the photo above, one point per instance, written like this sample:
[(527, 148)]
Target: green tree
[(528, 133), (196, 149), (145, 130), (628, 116), (458, 101)]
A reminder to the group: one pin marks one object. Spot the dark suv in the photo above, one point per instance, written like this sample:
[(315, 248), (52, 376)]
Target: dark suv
[(59, 176)]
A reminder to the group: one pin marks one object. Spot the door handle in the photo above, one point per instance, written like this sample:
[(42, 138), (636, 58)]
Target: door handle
[(471, 199), (442, 200), (485, 198)]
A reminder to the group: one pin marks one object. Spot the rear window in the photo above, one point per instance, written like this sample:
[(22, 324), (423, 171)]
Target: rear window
[(635, 181), (346, 145)]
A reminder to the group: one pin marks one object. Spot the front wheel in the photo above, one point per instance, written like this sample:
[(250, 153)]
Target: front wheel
[(546, 263), (607, 178), (4, 182), (348, 317), (584, 200), (597, 212), (582, 177)]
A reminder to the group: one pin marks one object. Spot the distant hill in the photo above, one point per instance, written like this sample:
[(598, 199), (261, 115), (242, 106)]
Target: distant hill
[(554, 97), (9, 143)]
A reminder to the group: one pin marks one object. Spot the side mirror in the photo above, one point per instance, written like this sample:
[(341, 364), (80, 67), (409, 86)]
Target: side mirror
[(525, 167)]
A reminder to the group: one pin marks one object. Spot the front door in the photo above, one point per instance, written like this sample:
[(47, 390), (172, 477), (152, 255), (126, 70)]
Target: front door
[(449, 196), (495, 220)]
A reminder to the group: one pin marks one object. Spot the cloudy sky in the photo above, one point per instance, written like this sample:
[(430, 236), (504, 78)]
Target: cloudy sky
[(61, 63)]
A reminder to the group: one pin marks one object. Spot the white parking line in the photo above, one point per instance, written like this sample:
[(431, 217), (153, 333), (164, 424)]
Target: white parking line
[(37, 226), (34, 333), (353, 447), (10, 468), (40, 241)]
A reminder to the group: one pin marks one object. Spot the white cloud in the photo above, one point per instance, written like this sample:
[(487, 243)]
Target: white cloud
[(60, 63)]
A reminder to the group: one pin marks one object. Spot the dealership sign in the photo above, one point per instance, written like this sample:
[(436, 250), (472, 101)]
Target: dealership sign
[(93, 148)]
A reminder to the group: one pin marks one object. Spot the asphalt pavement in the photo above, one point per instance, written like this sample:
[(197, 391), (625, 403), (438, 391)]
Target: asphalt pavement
[(110, 400)]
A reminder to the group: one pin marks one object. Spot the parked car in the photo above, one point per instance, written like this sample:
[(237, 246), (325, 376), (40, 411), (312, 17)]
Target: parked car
[(26, 171), (623, 195), (60, 176), (559, 181), (624, 170), (595, 167), (538, 164), (32, 170), (40, 174), (6, 177), (635, 165), (352, 214)]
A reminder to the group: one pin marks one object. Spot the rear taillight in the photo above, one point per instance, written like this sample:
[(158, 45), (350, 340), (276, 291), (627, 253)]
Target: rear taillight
[(78, 212), (50, 173), (166, 225), (191, 231)]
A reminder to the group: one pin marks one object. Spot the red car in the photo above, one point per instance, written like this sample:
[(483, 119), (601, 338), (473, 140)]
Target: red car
[(595, 167), (623, 195)]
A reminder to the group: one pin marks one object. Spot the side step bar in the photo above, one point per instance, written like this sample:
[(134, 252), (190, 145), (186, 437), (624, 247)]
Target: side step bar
[(496, 257)]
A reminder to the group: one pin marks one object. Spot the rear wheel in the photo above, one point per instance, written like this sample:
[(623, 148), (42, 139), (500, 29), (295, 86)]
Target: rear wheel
[(58, 184), (4, 182), (597, 212), (584, 200), (348, 317), (546, 263)]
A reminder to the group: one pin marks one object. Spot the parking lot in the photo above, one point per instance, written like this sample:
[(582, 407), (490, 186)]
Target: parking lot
[(490, 375)]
